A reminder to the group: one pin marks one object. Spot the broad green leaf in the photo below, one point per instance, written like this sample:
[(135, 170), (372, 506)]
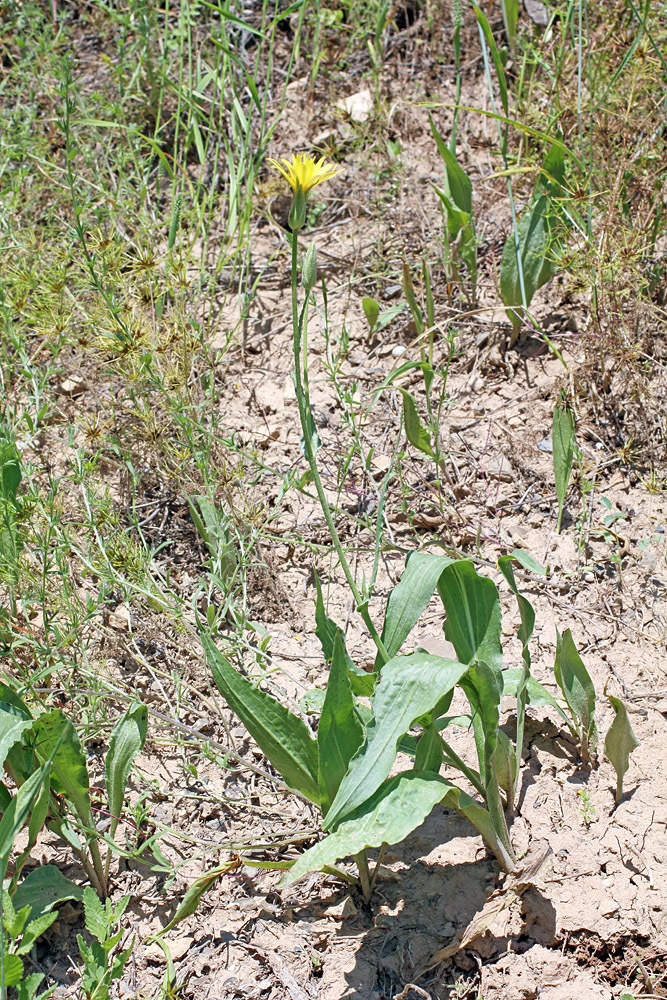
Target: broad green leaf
[(127, 741), (35, 929), (326, 631), (190, 901), (474, 617), (340, 732), (397, 807), (371, 309), (27, 989), (43, 888), (13, 970), (18, 812), (97, 915), (12, 728), (55, 737), (416, 433), (281, 736), (562, 437), (495, 55), (429, 752), (574, 681), (20, 760), (410, 687), (410, 597), (10, 471), (619, 743), (459, 185)]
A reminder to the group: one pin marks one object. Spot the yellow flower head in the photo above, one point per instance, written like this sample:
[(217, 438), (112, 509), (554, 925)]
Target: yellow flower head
[(305, 171)]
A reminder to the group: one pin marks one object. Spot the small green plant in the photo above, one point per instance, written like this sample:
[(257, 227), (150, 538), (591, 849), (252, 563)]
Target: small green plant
[(579, 693), (456, 200), (586, 808), (531, 255), (611, 535), (102, 964), (619, 743), (19, 933), (562, 438), (30, 742)]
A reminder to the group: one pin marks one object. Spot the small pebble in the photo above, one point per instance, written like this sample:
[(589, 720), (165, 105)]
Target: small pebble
[(399, 350), (589, 577)]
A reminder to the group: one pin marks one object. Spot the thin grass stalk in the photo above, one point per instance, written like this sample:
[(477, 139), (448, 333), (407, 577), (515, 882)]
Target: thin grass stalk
[(303, 405)]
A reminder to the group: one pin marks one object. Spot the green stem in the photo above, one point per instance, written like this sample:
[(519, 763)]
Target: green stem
[(453, 759), (364, 874), (378, 865), (303, 404)]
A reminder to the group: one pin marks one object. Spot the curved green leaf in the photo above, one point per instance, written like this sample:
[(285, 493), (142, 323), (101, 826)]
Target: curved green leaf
[(127, 741), (619, 743), (409, 688), (410, 597), (281, 736), (340, 732), (474, 617), (398, 807)]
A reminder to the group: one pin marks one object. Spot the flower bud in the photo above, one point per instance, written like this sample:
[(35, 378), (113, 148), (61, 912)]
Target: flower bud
[(297, 213), (309, 268)]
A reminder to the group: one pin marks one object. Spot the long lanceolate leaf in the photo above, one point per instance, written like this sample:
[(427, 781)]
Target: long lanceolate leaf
[(574, 681), (410, 597), (562, 437), (281, 736), (410, 688), (483, 688), (340, 732), (527, 615), (474, 618), (127, 740), (531, 254), (397, 808)]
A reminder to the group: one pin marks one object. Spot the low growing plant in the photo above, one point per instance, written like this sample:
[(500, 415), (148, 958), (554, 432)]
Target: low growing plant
[(402, 705), (29, 742)]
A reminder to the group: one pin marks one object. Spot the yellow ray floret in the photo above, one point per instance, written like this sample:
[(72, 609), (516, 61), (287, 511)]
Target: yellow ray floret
[(305, 171)]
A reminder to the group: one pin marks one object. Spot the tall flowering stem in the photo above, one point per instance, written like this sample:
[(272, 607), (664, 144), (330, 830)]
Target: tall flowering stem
[(303, 173)]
